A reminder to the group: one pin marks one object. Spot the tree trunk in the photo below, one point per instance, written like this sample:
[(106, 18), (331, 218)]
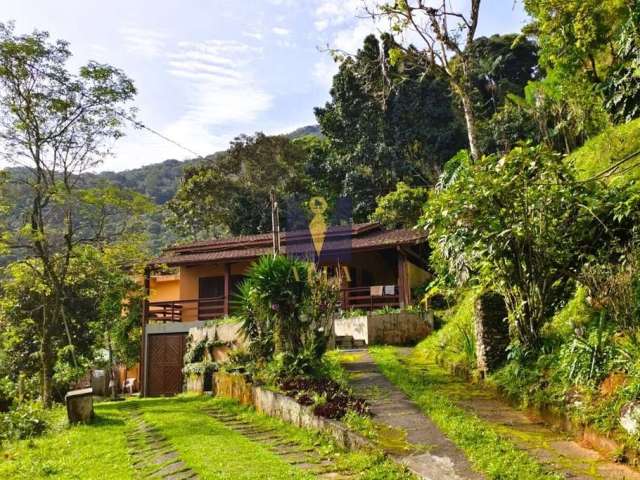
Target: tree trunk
[(112, 367), (46, 362), (470, 119)]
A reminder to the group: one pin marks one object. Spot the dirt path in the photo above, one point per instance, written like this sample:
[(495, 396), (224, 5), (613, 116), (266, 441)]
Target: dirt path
[(555, 450), (430, 455)]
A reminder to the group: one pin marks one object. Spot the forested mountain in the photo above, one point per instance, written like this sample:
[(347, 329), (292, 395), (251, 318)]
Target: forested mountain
[(158, 181)]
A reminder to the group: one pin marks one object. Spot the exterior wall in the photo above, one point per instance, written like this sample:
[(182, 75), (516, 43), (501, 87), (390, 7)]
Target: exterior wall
[(355, 327), (185, 285), (164, 287)]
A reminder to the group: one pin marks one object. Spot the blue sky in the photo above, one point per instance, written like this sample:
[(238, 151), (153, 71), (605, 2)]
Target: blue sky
[(209, 70)]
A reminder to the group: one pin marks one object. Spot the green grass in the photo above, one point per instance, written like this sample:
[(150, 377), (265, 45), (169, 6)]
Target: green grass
[(604, 150), (489, 452), (99, 450), (95, 451)]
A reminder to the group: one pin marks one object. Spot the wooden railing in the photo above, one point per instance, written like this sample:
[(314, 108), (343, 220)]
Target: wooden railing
[(361, 298), (179, 310), (210, 308)]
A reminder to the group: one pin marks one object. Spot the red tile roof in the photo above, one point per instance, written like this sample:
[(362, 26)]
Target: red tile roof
[(364, 236)]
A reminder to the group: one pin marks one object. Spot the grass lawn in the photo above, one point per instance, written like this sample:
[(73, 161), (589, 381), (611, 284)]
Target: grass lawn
[(213, 451), (489, 452), (91, 451)]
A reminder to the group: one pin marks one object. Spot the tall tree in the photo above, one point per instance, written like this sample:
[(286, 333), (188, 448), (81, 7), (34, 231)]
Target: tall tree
[(377, 135), (577, 35), (230, 194), (622, 88), (57, 125), (446, 38)]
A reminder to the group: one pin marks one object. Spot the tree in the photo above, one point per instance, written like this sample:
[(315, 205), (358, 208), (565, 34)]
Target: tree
[(524, 225), (288, 308), (501, 65), (118, 300), (622, 87), (57, 125), (575, 36), (401, 208), (102, 305), (446, 38), (231, 193), (377, 135)]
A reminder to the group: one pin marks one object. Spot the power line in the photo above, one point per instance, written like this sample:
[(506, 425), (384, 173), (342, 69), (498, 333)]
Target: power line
[(135, 122), (158, 134)]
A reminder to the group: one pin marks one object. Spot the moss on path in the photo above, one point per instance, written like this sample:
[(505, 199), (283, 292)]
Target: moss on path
[(502, 441)]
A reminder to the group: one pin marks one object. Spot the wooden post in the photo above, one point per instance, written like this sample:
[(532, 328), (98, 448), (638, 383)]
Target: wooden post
[(227, 287), (275, 223), (404, 289), (143, 338)]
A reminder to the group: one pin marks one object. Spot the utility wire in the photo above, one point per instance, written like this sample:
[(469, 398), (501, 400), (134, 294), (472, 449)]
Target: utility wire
[(129, 118)]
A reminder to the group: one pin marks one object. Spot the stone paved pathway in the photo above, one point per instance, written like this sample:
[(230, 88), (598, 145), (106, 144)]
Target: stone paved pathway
[(556, 450), (431, 455), (153, 457), (300, 456)]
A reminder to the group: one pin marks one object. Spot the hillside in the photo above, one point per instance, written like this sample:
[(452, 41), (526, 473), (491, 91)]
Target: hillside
[(604, 150), (159, 181)]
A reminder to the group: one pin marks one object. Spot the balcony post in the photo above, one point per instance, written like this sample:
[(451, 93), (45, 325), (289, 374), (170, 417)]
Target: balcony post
[(404, 289), (143, 338), (227, 289)]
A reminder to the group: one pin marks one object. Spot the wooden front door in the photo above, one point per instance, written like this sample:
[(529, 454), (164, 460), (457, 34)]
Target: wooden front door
[(165, 363)]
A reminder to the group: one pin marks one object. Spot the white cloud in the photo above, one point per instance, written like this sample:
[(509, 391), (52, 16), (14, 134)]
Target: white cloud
[(323, 72), (280, 31), (350, 39), (254, 35), (336, 12), (147, 43), (321, 24), (220, 87), (344, 28)]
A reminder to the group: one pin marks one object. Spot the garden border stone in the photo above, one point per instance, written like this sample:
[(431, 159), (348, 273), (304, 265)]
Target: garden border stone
[(275, 404)]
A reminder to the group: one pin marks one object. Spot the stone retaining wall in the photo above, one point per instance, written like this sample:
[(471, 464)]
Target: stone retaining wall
[(492, 332), (275, 404), (386, 329)]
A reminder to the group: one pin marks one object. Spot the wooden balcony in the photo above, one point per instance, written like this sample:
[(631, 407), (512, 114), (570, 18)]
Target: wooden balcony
[(361, 298), (177, 310), (210, 308)]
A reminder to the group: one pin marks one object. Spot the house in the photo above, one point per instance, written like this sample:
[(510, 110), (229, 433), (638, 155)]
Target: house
[(379, 268)]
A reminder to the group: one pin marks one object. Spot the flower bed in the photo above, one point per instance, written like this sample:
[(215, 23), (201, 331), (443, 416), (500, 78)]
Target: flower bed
[(329, 399)]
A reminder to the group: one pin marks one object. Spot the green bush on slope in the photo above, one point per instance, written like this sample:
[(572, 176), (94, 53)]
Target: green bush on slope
[(453, 345)]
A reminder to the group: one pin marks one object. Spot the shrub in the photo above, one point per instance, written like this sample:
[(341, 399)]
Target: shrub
[(288, 308), (26, 420), (520, 223)]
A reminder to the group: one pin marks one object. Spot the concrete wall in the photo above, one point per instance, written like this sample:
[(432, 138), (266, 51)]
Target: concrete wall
[(356, 327), (275, 404), (388, 329), (226, 332)]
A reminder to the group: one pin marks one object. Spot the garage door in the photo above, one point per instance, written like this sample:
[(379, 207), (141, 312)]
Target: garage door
[(165, 364)]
